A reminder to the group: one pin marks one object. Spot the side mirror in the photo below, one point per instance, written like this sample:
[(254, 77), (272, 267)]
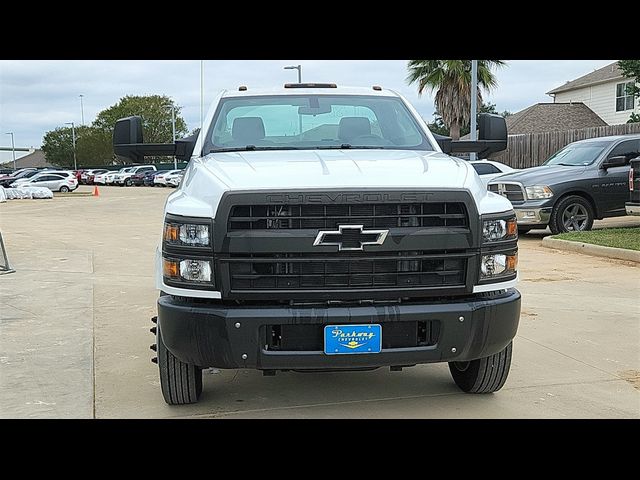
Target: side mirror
[(492, 137), (128, 141), (617, 161), (493, 127)]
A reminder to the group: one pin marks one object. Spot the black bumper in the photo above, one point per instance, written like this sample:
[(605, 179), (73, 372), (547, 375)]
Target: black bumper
[(211, 335)]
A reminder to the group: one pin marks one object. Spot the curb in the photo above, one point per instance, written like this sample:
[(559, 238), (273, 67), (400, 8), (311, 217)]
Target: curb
[(590, 249)]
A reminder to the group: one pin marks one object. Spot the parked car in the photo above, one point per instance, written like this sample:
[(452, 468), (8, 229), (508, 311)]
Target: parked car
[(78, 174), (110, 176), (489, 169), (149, 178), (6, 172), (91, 174), (20, 174), (124, 178), (163, 177), (633, 205), (138, 178), (101, 178), (174, 180), (584, 181), (55, 181)]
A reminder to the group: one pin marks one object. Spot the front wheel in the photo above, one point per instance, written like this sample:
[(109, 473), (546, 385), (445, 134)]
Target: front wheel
[(181, 383), (128, 182), (485, 375), (571, 214)]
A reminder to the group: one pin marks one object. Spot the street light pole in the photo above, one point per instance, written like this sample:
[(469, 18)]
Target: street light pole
[(474, 103), (13, 150), (82, 109), (73, 137), (173, 126), (299, 68)]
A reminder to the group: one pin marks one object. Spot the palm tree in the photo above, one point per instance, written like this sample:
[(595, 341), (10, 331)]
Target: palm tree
[(452, 80)]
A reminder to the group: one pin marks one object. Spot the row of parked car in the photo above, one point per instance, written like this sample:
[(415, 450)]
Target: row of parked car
[(54, 180), (140, 175)]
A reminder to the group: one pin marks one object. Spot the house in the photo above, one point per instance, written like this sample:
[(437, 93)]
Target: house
[(603, 91), (36, 158), (552, 117)]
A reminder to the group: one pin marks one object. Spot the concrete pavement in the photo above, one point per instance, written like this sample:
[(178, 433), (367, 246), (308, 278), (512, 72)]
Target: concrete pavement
[(74, 332)]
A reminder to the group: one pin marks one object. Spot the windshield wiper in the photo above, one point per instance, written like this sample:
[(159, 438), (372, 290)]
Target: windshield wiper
[(346, 146), (249, 148)]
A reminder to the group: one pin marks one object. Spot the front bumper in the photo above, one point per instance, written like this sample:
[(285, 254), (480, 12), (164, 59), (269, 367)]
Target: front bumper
[(536, 216), (216, 335), (632, 208)]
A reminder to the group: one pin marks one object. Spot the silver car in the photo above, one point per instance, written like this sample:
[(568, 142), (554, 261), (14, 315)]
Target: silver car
[(54, 181)]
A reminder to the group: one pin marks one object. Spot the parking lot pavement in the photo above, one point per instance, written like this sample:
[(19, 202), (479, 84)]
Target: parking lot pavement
[(74, 332)]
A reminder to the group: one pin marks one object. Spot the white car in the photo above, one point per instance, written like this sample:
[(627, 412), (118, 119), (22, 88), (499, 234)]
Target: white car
[(55, 181), (124, 178), (174, 180), (488, 169), (109, 177), (163, 178)]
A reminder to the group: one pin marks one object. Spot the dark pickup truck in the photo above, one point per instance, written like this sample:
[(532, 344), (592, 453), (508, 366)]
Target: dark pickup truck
[(584, 181), (633, 205)]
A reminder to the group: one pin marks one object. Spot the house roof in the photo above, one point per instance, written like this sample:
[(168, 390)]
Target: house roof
[(550, 117), (34, 159), (604, 74)]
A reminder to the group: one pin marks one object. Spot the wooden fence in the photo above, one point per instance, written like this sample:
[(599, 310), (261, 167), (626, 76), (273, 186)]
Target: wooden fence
[(531, 150)]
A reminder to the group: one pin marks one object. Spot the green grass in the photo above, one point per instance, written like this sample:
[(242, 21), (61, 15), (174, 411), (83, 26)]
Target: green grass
[(628, 238)]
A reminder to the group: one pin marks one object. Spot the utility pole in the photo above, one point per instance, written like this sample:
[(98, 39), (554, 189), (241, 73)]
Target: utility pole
[(173, 126), (73, 137), (13, 150), (82, 109), (474, 104)]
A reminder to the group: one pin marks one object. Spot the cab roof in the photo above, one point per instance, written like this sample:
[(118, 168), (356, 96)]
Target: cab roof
[(309, 89)]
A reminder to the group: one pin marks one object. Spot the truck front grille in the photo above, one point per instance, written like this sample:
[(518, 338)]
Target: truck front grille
[(381, 215), (299, 271), (512, 191)]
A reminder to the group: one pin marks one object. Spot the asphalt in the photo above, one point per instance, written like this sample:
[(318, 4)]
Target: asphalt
[(75, 318)]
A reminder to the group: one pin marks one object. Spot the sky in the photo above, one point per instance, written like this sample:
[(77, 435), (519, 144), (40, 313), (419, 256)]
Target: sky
[(37, 96)]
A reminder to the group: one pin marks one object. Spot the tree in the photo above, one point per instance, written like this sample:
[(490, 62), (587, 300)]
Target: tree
[(452, 81), (631, 69), (94, 144), (155, 111)]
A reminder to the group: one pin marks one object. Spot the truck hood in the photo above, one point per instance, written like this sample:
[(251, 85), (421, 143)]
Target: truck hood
[(207, 178), (543, 175), (335, 168)]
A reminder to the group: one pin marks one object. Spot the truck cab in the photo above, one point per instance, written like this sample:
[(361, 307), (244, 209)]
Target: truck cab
[(320, 227)]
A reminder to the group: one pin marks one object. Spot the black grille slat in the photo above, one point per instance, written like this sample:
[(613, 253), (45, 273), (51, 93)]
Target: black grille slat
[(355, 270), (380, 215), (512, 192)]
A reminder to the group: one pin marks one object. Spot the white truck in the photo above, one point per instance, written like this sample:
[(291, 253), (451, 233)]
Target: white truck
[(320, 227), (124, 178)]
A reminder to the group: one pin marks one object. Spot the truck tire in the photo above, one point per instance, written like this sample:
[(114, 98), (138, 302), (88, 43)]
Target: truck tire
[(181, 383), (571, 214), (485, 375)]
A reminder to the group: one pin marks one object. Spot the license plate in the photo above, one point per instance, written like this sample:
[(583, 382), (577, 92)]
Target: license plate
[(352, 339)]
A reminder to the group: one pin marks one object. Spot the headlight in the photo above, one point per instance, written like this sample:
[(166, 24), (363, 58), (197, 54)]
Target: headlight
[(497, 265), (538, 192), (499, 229), (188, 270), (186, 234)]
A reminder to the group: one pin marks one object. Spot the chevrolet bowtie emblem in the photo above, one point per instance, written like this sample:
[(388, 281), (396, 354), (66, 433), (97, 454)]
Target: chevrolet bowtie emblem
[(350, 237)]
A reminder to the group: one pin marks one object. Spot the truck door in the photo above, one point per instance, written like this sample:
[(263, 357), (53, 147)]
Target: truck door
[(613, 183)]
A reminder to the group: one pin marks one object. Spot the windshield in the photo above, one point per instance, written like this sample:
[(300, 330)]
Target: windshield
[(577, 154), (306, 122)]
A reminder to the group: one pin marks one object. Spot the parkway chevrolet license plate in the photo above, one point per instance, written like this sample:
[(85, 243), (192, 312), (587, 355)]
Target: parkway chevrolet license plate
[(350, 339)]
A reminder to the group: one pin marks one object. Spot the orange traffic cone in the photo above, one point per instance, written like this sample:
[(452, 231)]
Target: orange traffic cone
[(96, 192)]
